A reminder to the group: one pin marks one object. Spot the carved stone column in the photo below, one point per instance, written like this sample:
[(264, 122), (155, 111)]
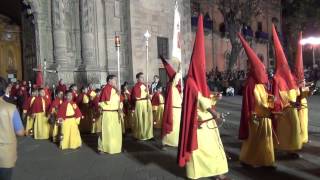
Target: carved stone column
[(59, 33), (87, 32)]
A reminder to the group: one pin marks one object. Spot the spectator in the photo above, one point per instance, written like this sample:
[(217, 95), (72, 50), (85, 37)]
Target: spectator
[(156, 83), (10, 126), (230, 91)]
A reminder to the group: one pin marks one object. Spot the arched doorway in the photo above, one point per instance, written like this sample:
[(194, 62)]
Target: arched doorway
[(17, 41)]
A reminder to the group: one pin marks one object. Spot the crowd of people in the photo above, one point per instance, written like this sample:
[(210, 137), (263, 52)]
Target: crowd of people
[(274, 113)]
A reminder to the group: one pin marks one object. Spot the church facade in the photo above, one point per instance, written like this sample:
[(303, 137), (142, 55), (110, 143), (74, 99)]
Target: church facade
[(76, 38)]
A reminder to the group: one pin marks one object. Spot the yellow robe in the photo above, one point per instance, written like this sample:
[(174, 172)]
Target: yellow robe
[(143, 120), (209, 159), (288, 124), (172, 139), (30, 120), (41, 124), (303, 114), (158, 113), (110, 140), (258, 149), (96, 126), (71, 134)]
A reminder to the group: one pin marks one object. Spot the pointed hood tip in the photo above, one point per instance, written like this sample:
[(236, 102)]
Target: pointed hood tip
[(257, 69), (197, 67)]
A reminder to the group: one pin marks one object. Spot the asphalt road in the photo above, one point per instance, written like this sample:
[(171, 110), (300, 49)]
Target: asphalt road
[(42, 160)]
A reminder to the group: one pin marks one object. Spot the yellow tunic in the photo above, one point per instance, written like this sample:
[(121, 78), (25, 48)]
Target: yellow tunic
[(41, 124), (209, 159), (110, 140), (86, 122), (303, 114), (96, 126), (172, 139), (288, 124), (30, 120), (258, 149), (71, 134), (143, 120), (158, 113)]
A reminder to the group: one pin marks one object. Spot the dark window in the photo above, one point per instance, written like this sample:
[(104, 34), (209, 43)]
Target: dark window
[(163, 47), (260, 26), (163, 76)]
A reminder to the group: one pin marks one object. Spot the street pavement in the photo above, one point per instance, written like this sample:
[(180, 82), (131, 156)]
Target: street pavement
[(42, 160)]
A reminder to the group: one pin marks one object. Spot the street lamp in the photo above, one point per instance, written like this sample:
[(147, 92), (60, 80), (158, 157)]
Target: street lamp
[(312, 41)]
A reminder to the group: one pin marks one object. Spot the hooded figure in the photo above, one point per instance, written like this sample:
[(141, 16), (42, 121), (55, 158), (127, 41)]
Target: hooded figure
[(172, 109), (304, 91), (255, 124), (203, 156), (288, 128)]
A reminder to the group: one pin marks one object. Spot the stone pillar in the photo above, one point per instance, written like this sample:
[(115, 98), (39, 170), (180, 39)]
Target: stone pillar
[(59, 33), (87, 32)]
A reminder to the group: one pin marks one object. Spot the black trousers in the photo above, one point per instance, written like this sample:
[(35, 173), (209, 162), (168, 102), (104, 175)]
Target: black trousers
[(6, 173)]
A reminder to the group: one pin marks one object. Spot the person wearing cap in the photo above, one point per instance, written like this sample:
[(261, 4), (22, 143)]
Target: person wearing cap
[(10, 126), (286, 91), (200, 148), (256, 129), (172, 109)]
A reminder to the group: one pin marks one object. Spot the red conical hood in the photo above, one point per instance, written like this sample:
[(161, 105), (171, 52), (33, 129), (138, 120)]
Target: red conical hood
[(39, 78), (299, 73), (169, 69), (197, 67), (283, 72), (257, 70)]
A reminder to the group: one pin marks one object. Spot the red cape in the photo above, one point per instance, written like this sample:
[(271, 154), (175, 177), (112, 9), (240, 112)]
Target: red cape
[(189, 124), (37, 105), (155, 101), (63, 110), (55, 104), (248, 104), (61, 87), (106, 93)]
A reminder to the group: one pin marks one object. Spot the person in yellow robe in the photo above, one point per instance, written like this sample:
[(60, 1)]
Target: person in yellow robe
[(304, 91), (110, 140), (53, 115), (172, 112), (83, 101), (143, 119), (26, 112), (38, 113), (157, 102), (127, 107), (256, 129), (69, 116), (285, 89), (200, 148), (96, 115)]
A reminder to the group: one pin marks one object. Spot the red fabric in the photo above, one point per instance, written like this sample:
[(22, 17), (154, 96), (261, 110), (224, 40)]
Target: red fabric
[(257, 70), (74, 96), (136, 93), (106, 93), (189, 123), (39, 78), (155, 101), (299, 73), (167, 120), (27, 104), (196, 82), (61, 87), (80, 98), (197, 67), (55, 104), (169, 69), (62, 111), (48, 94), (37, 106), (126, 96), (283, 75), (248, 106)]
